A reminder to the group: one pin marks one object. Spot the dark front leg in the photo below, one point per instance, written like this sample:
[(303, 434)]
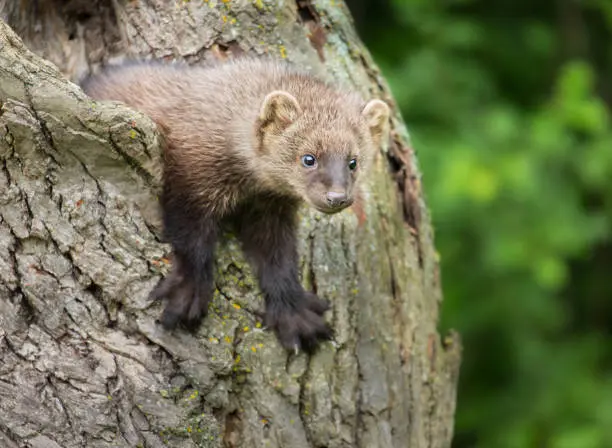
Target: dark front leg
[(267, 233), (190, 285)]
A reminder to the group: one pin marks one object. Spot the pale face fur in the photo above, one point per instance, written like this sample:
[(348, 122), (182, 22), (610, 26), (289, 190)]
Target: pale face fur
[(242, 128), (318, 154)]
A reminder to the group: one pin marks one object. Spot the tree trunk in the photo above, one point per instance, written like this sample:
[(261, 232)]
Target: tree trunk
[(84, 363)]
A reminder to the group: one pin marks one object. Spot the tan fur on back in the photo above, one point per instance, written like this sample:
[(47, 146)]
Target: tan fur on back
[(209, 115)]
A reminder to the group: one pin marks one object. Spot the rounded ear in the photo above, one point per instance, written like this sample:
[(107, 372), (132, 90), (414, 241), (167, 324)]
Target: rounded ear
[(279, 109), (376, 114)]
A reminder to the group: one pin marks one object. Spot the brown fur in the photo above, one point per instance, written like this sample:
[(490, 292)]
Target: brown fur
[(211, 115), (235, 136)]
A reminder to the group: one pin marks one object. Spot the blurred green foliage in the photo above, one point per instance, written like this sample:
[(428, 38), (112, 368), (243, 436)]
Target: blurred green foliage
[(508, 105)]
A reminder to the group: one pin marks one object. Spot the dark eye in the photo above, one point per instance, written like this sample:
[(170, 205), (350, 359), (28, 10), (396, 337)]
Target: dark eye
[(309, 160), (353, 164)]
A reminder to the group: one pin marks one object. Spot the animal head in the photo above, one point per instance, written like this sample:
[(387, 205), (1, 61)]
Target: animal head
[(320, 149)]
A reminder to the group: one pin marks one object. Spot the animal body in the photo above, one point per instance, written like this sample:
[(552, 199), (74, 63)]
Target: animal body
[(246, 142)]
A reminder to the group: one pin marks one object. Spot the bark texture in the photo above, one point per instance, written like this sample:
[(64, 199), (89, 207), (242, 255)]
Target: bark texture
[(83, 362)]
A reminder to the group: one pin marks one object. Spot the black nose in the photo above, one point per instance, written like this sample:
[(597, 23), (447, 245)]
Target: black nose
[(336, 199)]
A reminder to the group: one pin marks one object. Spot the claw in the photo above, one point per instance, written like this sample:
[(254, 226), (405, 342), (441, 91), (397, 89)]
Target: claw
[(299, 326), (186, 305)]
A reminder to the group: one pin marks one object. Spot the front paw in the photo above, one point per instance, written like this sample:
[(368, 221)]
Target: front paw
[(299, 323), (184, 306)]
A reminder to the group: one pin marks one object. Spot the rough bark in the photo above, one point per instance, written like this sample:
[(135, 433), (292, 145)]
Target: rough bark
[(83, 362)]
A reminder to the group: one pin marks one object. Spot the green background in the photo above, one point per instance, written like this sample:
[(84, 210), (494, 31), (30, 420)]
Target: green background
[(508, 105)]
